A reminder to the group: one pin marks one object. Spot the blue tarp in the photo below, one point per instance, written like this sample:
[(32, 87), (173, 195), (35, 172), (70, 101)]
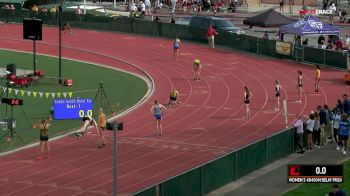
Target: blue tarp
[(309, 25)]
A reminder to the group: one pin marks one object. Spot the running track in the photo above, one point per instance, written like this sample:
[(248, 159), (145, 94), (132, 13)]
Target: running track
[(206, 125)]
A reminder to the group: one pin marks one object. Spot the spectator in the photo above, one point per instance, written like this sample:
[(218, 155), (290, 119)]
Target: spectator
[(321, 40), (339, 105), (298, 125), (218, 6), (173, 5), (329, 125), (332, 8), (35, 8), (339, 44), (336, 122), (346, 104), (148, 7), (344, 128), (342, 16), (347, 41), (336, 191), (211, 36), (281, 6), (306, 42), (323, 123), (78, 13), (266, 35), (309, 128), (329, 46), (316, 132), (143, 10)]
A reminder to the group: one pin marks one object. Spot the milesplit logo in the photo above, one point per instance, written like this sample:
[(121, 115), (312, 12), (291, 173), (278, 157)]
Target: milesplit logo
[(316, 12)]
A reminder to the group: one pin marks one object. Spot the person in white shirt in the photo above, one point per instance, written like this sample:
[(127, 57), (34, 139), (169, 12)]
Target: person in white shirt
[(332, 8), (336, 123), (148, 7), (173, 5), (299, 128), (143, 10)]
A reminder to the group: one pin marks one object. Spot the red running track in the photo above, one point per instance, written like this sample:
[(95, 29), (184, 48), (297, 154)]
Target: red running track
[(206, 125)]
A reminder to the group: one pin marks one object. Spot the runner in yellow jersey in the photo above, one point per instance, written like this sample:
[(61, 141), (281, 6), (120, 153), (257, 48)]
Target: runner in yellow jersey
[(174, 97), (317, 78)]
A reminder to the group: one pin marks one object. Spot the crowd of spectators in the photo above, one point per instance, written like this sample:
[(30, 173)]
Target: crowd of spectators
[(325, 125), (334, 42)]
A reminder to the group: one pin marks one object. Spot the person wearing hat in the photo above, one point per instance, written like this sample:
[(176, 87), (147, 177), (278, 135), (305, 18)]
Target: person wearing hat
[(196, 68)]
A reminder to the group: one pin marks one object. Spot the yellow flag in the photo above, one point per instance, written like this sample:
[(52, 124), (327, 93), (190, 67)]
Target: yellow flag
[(47, 95), (70, 94), (22, 92), (59, 95), (34, 93), (10, 90)]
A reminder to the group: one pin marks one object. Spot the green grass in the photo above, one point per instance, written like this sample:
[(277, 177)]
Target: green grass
[(123, 90), (315, 189)]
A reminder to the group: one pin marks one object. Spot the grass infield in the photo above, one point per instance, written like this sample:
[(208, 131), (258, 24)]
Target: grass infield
[(321, 189), (123, 91)]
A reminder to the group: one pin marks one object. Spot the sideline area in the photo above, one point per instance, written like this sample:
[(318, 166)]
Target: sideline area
[(272, 179)]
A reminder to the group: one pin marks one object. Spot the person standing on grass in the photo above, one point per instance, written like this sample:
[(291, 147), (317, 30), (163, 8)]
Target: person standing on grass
[(299, 129), (197, 66), (247, 97), (44, 138), (344, 128), (176, 48), (309, 128), (157, 111), (278, 94), (102, 122), (323, 122), (336, 123), (211, 36), (317, 78), (316, 132), (299, 85)]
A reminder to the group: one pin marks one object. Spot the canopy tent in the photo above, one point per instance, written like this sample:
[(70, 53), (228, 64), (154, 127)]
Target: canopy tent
[(309, 25), (270, 18)]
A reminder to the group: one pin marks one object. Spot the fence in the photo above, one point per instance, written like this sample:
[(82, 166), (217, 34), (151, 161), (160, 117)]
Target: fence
[(228, 168), (130, 25)]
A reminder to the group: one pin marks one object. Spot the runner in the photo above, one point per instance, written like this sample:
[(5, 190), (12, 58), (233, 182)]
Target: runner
[(197, 68), (247, 96), (44, 138), (300, 85), (176, 48), (87, 120), (317, 78), (174, 97), (157, 111), (102, 122), (278, 94)]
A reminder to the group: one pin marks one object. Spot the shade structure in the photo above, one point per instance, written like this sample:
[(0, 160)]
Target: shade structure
[(310, 25), (270, 18)]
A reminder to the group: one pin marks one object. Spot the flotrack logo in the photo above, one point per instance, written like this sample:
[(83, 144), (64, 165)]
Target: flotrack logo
[(316, 12), (312, 23)]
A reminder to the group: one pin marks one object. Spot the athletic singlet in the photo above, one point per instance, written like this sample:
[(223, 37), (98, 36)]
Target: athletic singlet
[(173, 93), (344, 127), (44, 131), (318, 73), (157, 110), (300, 81), (247, 96), (278, 88)]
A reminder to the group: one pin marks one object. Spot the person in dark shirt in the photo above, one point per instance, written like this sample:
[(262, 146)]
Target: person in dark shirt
[(346, 104), (320, 40), (306, 42)]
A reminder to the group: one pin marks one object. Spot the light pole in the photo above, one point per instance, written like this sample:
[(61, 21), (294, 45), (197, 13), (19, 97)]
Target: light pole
[(60, 10)]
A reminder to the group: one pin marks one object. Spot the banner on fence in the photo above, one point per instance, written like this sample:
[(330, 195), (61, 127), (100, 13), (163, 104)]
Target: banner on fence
[(283, 48)]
